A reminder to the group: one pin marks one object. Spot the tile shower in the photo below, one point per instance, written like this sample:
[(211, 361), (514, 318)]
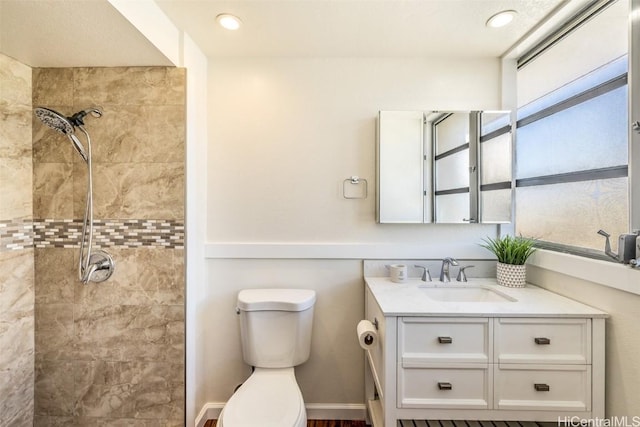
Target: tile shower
[(110, 353), (16, 246)]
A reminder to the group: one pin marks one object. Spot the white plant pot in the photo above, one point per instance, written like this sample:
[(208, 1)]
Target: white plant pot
[(512, 276)]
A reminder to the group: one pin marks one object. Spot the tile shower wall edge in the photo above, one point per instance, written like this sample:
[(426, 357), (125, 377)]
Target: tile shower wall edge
[(112, 352)]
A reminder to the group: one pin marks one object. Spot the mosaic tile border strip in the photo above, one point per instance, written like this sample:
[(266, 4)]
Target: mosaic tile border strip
[(16, 235), (129, 233)]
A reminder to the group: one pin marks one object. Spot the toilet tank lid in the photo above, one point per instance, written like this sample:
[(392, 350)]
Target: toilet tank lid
[(276, 299)]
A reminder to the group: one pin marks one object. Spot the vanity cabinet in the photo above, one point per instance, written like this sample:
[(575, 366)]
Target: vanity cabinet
[(484, 367), (444, 363), (543, 364)]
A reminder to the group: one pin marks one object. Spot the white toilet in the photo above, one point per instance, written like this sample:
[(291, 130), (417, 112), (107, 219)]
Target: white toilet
[(275, 326)]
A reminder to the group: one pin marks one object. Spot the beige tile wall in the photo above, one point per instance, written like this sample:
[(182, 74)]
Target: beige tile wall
[(111, 353), (16, 266)]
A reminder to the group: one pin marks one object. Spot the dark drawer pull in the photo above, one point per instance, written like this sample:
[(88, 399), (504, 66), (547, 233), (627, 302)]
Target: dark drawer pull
[(445, 386), (542, 341), (445, 340), (541, 387)]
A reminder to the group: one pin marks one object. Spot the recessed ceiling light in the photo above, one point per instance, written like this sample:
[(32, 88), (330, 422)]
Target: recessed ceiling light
[(501, 19), (228, 21)]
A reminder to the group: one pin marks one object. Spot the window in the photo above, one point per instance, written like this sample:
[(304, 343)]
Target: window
[(572, 136)]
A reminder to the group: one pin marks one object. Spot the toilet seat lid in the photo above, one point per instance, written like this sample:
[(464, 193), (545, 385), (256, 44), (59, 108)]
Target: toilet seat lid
[(269, 398)]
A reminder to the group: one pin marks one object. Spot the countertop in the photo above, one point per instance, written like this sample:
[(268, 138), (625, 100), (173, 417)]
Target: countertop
[(408, 299)]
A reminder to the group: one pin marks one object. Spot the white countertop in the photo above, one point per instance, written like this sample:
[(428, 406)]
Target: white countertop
[(409, 299)]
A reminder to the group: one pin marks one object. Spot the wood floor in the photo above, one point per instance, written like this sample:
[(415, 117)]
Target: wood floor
[(408, 423), (314, 423), (457, 423)]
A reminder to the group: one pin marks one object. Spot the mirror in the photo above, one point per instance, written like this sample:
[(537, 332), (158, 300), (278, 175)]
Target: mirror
[(444, 167)]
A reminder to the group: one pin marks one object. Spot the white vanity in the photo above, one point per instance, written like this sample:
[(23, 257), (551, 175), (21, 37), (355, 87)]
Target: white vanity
[(480, 351)]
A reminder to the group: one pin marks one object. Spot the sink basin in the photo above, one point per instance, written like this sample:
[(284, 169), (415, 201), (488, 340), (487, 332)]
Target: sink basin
[(468, 293)]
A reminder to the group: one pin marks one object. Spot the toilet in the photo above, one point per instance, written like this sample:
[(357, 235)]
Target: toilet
[(275, 328)]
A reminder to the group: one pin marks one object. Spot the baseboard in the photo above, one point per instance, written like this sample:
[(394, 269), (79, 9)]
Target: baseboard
[(209, 411), (315, 411), (336, 411)]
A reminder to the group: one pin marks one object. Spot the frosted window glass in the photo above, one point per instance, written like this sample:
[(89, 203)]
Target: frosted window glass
[(597, 42), (452, 208), (495, 206), (453, 171), (590, 135), (494, 121), (572, 213), (495, 160), (601, 75), (452, 132)]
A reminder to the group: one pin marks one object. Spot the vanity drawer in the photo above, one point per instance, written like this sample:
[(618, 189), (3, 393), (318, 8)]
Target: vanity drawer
[(433, 340), (466, 387), (540, 340), (551, 388)]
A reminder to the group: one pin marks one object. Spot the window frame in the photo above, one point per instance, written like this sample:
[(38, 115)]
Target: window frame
[(515, 62)]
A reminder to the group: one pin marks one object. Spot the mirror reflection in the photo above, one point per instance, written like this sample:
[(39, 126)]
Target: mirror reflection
[(444, 167)]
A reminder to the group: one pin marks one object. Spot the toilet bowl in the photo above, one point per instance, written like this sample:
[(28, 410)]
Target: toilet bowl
[(275, 330), (269, 398)]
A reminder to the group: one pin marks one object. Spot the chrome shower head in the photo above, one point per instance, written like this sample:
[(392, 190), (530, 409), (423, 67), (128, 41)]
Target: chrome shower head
[(67, 125), (54, 120)]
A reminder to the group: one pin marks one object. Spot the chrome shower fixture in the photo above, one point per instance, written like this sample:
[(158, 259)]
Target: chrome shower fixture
[(66, 125), (93, 266)]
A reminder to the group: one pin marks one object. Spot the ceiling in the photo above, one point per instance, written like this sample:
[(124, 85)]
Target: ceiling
[(69, 33), (65, 33), (355, 28)]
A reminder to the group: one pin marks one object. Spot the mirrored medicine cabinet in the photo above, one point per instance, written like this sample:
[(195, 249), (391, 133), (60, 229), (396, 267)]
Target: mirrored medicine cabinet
[(444, 167)]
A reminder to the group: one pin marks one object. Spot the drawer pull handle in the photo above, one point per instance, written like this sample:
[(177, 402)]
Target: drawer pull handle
[(445, 386), (542, 341), (445, 340), (541, 387)]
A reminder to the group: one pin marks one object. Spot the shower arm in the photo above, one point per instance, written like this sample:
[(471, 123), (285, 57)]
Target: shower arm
[(84, 270)]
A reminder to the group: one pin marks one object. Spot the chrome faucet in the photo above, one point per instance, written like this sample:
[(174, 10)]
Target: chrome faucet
[(462, 275), (426, 275), (444, 273)]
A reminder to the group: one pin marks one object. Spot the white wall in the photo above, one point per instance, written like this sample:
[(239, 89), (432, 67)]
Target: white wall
[(196, 287), (283, 135)]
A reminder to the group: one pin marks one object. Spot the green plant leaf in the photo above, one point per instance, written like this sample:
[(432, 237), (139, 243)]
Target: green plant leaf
[(510, 249)]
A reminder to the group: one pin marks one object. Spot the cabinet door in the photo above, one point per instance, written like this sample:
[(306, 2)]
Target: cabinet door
[(400, 163), (423, 341), (543, 387), (553, 341), (466, 386)]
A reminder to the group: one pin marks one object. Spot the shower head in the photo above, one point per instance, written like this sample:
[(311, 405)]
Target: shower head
[(67, 125), (54, 120)]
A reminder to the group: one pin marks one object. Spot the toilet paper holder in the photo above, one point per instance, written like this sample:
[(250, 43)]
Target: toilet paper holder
[(368, 340), (367, 331)]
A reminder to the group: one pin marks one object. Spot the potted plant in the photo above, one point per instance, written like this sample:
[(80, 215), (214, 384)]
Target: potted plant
[(512, 253)]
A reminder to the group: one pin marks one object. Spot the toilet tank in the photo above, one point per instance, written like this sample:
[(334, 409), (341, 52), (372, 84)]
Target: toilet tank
[(275, 326)]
